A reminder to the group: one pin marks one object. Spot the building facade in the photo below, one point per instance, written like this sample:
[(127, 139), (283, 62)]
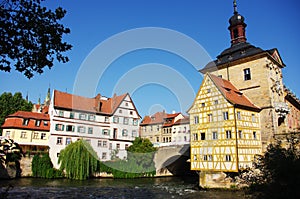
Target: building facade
[(164, 129), (225, 128), (108, 124), (30, 130), (258, 74)]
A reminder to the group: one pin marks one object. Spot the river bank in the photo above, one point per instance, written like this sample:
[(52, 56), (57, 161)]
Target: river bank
[(160, 188)]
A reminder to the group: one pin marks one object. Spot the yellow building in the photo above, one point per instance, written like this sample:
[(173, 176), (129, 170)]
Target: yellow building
[(29, 129), (225, 128)]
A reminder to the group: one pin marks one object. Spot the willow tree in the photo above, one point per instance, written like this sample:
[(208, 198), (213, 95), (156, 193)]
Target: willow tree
[(78, 160)]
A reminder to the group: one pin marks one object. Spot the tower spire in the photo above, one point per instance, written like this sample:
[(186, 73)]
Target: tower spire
[(237, 27), (234, 7)]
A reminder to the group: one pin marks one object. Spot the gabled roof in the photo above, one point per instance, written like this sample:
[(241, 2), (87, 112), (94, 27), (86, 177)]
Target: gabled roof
[(97, 104), (232, 94), (15, 121), (157, 118), (160, 118)]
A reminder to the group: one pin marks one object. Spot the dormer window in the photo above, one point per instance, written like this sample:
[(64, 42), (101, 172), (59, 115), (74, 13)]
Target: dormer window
[(247, 74), (37, 122), (25, 122)]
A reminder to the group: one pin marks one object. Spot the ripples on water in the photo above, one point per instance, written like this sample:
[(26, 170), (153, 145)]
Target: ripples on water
[(157, 188)]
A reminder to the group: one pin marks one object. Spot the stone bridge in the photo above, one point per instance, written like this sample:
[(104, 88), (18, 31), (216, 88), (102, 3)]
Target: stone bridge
[(173, 160)]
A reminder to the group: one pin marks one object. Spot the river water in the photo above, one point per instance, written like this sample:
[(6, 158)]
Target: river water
[(157, 188)]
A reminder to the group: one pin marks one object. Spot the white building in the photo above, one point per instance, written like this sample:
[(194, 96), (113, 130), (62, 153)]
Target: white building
[(108, 124)]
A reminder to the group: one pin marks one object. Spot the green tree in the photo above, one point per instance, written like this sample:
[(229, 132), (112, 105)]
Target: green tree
[(42, 167), (78, 160), (139, 162), (10, 151), (30, 36), (10, 104), (279, 171)]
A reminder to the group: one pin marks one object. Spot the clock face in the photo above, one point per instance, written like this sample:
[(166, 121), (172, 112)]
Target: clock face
[(239, 17)]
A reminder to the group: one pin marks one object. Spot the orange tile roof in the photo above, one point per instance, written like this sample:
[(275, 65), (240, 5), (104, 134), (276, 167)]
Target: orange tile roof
[(75, 102), (16, 121), (232, 94), (160, 118)]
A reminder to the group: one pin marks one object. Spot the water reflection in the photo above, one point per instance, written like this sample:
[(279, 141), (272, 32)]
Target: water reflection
[(160, 188)]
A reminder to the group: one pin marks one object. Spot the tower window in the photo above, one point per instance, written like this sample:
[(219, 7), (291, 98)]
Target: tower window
[(247, 74)]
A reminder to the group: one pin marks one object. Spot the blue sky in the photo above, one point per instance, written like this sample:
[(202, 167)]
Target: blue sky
[(158, 78)]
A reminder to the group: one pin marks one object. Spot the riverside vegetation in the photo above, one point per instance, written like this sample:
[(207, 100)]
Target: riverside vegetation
[(79, 161)]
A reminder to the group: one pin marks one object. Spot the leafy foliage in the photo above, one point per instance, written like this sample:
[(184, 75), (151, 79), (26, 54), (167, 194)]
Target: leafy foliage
[(139, 161), (10, 104), (279, 171), (10, 151), (30, 36), (78, 160), (42, 167)]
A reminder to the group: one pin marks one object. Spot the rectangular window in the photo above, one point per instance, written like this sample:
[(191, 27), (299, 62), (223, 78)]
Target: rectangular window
[(126, 146), (45, 123), (210, 117), (125, 132), (135, 122), (72, 115), (106, 119), (205, 157), (118, 146), (215, 135), (131, 112), (70, 128), (126, 120), (81, 129), (247, 74), (240, 134), (105, 132), (203, 104), (238, 114), (43, 136), (88, 141), (90, 130), (110, 146), (216, 102), (37, 122), (196, 119), (202, 136), (134, 133), (7, 134), (228, 158), (210, 158), (59, 127), (61, 113), (228, 134), (116, 119), (59, 141), (103, 155), (208, 90), (92, 117), (254, 135), (195, 136), (253, 118), (104, 144), (82, 116), (99, 143), (35, 135), (68, 141), (157, 139), (25, 122), (225, 115)]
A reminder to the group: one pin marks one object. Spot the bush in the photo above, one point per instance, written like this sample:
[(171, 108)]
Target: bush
[(42, 167)]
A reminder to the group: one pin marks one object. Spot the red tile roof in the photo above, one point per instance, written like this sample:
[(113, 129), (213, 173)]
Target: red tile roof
[(160, 118), (232, 94), (96, 104), (16, 121)]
